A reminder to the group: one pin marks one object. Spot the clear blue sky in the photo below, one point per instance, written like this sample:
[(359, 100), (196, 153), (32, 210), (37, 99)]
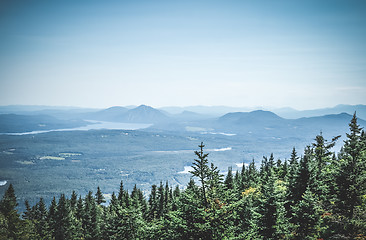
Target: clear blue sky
[(303, 54)]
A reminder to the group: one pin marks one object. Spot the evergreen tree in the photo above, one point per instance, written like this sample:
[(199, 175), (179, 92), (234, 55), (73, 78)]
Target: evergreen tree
[(229, 183), (64, 225), (73, 200), (153, 204), (91, 218), (214, 182), (41, 220), (306, 213), (52, 218), (10, 216), (79, 212), (252, 175), (99, 197), (123, 196), (267, 207), (167, 198), (350, 176), (160, 200), (201, 170), (303, 175)]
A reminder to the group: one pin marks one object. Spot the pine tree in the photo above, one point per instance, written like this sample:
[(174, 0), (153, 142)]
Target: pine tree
[(303, 175), (167, 198), (160, 200), (121, 194), (229, 183), (52, 218), (99, 197), (91, 218), (9, 201), (29, 213), (252, 176), (350, 176), (307, 216), (201, 170), (153, 205), (13, 225), (41, 219), (79, 212), (73, 200), (64, 224), (267, 208)]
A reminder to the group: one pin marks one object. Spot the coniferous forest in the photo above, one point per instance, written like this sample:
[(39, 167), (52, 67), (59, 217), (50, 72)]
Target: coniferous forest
[(316, 194)]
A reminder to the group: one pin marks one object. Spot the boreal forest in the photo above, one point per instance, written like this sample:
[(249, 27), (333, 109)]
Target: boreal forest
[(316, 194)]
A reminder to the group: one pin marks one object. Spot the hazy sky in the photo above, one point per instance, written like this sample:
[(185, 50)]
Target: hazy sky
[(303, 54)]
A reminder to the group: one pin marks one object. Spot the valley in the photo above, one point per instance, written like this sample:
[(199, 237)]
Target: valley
[(46, 164)]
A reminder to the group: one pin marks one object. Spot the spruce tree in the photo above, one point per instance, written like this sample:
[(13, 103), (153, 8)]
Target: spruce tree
[(153, 203), (11, 216), (52, 218), (99, 198), (41, 219), (307, 217), (64, 225), (267, 208), (350, 177), (201, 170), (229, 182)]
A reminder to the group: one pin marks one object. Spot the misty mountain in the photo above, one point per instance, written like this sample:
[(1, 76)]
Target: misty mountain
[(112, 114), (189, 116), (266, 123), (213, 111), (144, 114), (13, 123), (254, 117), (140, 114), (342, 108), (59, 112)]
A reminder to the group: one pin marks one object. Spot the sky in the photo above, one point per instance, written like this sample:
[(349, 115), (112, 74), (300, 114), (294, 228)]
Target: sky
[(267, 53)]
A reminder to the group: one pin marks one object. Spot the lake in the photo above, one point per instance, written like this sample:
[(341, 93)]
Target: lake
[(95, 125)]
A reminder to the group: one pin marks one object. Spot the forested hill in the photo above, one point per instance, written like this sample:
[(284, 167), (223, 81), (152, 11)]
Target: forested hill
[(317, 194)]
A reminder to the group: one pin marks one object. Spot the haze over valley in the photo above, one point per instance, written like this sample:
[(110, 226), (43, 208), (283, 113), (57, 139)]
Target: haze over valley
[(49, 150)]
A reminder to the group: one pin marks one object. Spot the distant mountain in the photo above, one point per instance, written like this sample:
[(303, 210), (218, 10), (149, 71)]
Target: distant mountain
[(144, 114), (266, 123), (59, 112), (112, 114), (13, 123), (140, 114), (213, 111), (350, 109), (250, 118), (189, 116)]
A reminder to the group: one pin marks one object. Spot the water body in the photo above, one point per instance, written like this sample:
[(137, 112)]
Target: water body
[(3, 183), (220, 133), (191, 151), (186, 170), (95, 125)]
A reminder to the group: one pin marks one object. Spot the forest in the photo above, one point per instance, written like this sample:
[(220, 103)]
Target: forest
[(319, 194)]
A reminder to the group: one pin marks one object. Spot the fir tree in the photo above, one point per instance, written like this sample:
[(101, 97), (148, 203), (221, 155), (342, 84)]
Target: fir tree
[(201, 170), (229, 183), (64, 225), (306, 213), (350, 176), (99, 198)]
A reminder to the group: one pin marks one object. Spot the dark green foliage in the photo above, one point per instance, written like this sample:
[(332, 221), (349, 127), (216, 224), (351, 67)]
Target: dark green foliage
[(229, 182), (201, 171), (99, 198), (307, 216), (350, 179)]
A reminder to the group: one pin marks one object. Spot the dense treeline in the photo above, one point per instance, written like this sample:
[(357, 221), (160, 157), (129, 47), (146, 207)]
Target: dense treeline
[(318, 195)]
